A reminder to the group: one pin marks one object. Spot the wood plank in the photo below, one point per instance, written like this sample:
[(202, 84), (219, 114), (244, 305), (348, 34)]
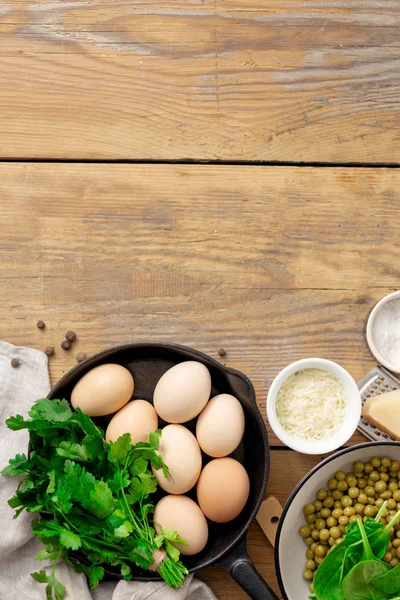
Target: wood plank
[(273, 264), (205, 80)]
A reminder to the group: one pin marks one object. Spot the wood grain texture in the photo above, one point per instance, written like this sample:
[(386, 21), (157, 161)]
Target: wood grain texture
[(273, 264), (200, 79)]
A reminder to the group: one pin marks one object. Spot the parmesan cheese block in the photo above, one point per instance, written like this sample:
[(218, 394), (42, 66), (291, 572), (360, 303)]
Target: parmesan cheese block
[(384, 412)]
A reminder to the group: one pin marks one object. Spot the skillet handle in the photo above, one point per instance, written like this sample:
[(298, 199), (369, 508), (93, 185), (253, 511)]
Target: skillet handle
[(242, 570)]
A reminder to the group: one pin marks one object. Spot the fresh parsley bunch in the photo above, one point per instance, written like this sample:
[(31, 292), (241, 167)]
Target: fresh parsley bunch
[(92, 496)]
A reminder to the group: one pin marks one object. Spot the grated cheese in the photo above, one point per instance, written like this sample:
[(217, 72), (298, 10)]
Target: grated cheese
[(310, 404)]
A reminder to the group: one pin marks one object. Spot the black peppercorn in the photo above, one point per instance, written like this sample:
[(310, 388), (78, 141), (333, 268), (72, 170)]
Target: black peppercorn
[(14, 362), (70, 336), (65, 345), (49, 350), (222, 352), (41, 324), (81, 356)]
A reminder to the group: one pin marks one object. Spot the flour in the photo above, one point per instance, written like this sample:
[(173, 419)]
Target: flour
[(386, 332)]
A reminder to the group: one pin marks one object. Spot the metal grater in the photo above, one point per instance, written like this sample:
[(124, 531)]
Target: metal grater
[(378, 381)]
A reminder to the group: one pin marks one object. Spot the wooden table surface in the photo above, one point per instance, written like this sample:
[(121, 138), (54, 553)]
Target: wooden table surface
[(103, 232)]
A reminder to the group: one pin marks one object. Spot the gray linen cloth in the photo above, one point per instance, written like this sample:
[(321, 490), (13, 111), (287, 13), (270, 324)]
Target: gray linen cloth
[(19, 387)]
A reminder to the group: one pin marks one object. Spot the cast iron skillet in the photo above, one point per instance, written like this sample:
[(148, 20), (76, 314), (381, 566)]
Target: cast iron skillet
[(226, 546)]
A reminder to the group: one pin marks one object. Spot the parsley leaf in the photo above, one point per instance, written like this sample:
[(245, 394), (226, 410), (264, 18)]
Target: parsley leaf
[(96, 574), (95, 497), (100, 501), (18, 464), (53, 411), (118, 450)]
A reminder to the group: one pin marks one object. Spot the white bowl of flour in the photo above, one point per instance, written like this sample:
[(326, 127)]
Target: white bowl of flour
[(383, 332)]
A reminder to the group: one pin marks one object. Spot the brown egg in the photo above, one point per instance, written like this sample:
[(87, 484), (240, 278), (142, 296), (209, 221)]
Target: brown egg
[(223, 489), (137, 418), (220, 426), (103, 390), (182, 392), (181, 514), (181, 453)]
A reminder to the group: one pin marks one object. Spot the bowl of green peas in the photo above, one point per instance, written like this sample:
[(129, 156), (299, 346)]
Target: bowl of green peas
[(357, 483)]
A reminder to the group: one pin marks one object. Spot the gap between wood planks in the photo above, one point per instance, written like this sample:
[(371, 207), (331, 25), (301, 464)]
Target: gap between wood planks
[(249, 163)]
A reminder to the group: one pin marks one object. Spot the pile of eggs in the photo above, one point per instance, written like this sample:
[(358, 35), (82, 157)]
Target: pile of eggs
[(180, 395)]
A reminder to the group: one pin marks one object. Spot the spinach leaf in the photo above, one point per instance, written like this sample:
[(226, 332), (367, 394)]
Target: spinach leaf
[(359, 585), (389, 582)]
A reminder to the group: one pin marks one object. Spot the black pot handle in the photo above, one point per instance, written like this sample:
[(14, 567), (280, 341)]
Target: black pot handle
[(242, 570)]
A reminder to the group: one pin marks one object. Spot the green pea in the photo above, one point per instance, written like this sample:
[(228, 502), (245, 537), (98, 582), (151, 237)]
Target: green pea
[(315, 534), (317, 505), (313, 546), (393, 486), (324, 535), (322, 494), (380, 486), (337, 512), (375, 462), (309, 509), (305, 531), (341, 486), (394, 562), (318, 560), (349, 511), (386, 495), (307, 575), (346, 501), (331, 541), (337, 494), (320, 524), (386, 462), (332, 483), (338, 541), (358, 466), (395, 466), (370, 511), (320, 551), (379, 502), (310, 564), (368, 491), (308, 541), (337, 504), (351, 480), (368, 468), (329, 502), (362, 482), (311, 588), (391, 504), (387, 557), (344, 520), (359, 508), (353, 518), (396, 543), (310, 554), (396, 495), (384, 477), (335, 532), (331, 522), (311, 518), (353, 492), (374, 476)]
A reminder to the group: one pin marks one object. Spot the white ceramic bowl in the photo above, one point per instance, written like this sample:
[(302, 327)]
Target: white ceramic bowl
[(352, 414), (372, 332), (289, 547)]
